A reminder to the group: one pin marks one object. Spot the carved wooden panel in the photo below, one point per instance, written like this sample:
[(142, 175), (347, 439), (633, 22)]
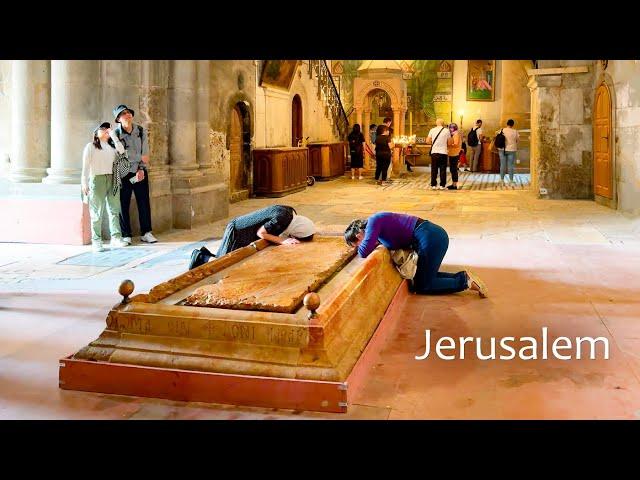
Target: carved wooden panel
[(277, 172)]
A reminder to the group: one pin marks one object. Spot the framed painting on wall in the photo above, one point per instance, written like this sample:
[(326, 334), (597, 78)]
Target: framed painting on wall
[(481, 80), (278, 73)]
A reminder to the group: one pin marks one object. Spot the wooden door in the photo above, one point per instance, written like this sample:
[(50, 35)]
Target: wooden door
[(296, 121), (602, 140), (237, 175)]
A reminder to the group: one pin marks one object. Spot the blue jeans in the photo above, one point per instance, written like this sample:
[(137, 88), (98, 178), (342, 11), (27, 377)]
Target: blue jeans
[(431, 242), (507, 161)]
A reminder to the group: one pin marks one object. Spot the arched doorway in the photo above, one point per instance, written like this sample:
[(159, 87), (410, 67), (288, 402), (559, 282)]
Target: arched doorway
[(602, 140), (296, 120), (240, 153)]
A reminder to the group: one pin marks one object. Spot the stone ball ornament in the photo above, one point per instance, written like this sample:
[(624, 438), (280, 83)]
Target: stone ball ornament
[(126, 289)]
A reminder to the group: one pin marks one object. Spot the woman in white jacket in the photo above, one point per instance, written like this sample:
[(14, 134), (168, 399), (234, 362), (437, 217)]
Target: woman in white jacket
[(97, 184)]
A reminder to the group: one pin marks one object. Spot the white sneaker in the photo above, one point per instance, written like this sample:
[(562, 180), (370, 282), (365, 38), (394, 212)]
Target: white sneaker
[(149, 238), (352, 177), (360, 177), (434, 188), (118, 242), (127, 240), (97, 246), (441, 187)]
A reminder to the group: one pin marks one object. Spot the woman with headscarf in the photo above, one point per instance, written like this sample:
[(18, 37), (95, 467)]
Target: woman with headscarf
[(454, 145), (99, 185), (279, 224), (430, 241), (356, 150)]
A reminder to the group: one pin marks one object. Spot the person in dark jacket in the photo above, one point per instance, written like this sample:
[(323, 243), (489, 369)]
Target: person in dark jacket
[(279, 224)]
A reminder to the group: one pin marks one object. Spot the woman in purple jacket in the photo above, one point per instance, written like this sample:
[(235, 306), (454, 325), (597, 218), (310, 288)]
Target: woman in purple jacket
[(430, 241)]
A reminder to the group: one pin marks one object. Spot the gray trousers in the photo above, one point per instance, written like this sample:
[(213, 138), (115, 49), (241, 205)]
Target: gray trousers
[(474, 156)]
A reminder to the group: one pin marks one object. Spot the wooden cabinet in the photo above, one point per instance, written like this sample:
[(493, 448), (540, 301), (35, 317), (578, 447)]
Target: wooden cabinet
[(489, 160), (280, 171), (327, 160)]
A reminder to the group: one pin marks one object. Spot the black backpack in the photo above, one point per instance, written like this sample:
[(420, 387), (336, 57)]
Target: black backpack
[(472, 138), (500, 140)]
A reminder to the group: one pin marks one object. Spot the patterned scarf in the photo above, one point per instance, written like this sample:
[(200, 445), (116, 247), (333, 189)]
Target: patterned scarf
[(121, 166)]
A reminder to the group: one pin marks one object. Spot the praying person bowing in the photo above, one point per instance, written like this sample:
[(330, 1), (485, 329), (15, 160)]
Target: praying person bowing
[(279, 224)]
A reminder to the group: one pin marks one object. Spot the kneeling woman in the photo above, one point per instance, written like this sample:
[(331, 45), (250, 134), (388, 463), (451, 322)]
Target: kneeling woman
[(430, 241), (278, 224)]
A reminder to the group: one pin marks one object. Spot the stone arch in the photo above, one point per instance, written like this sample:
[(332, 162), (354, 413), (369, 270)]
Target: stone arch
[(298, 88), (367, 88), (230, 104)]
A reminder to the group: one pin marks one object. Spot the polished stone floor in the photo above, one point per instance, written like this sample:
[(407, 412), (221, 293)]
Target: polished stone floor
[(570, 266)]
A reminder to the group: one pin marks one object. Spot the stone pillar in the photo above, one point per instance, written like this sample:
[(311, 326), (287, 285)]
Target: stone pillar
[(30, 112), (401, 129), (182, 118), (192, 196), (561, 127), (396, 132), (153, 108), (75, 111), (368, 161), (358, 117), (203, 138)]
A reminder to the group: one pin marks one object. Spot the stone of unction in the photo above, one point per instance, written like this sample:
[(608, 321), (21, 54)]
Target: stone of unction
[(157, 346), (275, 279)]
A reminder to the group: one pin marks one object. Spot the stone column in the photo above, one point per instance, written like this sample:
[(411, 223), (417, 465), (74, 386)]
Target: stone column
[(358, 117), (153, 108), (192, 198), (368, 161), (401, 129), (203, 148), (182, 118), (30, 112), (75, 111), (396, 132)]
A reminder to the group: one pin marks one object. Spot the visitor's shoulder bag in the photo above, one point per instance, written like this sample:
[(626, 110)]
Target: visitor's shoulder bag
[(406, 262)]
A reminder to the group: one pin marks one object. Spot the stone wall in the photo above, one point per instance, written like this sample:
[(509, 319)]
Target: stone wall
[(561, 124), (489, 112), (623, 79), (512, 100), (273, 111)]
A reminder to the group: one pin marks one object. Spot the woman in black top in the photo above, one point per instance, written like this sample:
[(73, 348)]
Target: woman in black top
[(383, 153), (269, 223), (356, 149)]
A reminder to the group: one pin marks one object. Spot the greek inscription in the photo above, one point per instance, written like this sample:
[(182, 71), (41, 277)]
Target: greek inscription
[(135, 325), (179, 328), (240, 332), (285, 336)]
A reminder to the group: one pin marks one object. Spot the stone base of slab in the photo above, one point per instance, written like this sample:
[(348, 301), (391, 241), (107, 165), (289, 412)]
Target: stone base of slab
[(247, 390), (158, 333)]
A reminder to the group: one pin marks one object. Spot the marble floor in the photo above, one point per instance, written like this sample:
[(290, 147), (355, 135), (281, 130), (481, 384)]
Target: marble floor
[(569, 266)]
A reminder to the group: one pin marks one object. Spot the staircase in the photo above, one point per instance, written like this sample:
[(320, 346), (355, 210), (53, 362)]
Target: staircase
[(328, 93)]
